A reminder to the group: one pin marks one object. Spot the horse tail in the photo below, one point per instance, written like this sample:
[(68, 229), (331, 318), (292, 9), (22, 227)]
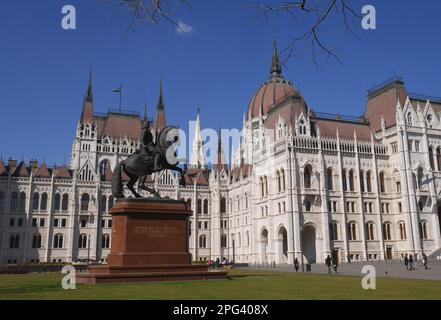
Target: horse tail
[(117, 183)]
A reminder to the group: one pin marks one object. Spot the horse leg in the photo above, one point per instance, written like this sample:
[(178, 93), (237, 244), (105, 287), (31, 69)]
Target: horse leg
[(130, 185), (150, 190)]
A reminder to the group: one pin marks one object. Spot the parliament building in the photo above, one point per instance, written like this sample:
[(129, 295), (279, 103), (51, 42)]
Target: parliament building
[(302, 184)]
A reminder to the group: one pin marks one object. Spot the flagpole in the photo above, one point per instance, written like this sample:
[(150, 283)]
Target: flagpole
[(120, 97)]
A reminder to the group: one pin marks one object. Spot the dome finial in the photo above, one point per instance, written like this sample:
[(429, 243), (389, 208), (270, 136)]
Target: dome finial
[(276, 69)]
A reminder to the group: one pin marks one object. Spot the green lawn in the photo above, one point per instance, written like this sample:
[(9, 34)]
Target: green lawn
[(243, 284)]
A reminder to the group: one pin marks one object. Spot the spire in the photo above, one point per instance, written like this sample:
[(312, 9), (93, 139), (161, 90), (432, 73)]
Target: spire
[(197, 154), (87, 112), (145, 110), (276, 69), (160, 122), (221, 163), (89, 95), (161, 97)]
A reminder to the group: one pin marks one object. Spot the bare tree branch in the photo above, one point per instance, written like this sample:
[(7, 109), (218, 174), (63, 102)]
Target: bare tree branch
[(322, 11), (151, 11), (316, 12)]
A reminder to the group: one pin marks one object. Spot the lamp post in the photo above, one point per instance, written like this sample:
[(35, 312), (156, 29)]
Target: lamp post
[(88, 249), (291, 201), (301, 248), (233, 252)]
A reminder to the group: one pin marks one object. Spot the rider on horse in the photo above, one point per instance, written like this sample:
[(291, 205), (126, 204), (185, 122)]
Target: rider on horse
[(148, 147)]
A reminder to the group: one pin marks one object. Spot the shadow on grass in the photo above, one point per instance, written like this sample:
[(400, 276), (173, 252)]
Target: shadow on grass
[(30, 289), (251, 275)]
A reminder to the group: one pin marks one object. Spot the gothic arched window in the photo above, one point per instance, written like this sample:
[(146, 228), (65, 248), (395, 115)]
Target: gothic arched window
[(307, 177), (65, 202), (105, 241), (368, 182), (85, 198), (14, 201), (202, 241), (382, 183), (43, 203), (223, 205), (387, 231), (329, 179), (36, 201), (57, 202), (432, 163), (409, 118), (103, 169)]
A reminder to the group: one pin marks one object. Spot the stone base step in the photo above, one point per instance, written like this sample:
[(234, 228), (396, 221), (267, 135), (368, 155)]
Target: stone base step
[(101, 278)]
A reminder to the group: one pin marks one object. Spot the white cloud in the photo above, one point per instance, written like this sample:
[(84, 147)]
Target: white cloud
[(183, 28)]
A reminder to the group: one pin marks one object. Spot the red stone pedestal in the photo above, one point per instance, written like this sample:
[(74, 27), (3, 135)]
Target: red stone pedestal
[(149, 243)]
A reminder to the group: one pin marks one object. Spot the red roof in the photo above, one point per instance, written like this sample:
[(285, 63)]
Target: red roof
[(63, 173), (287, 111), (195, 173), (120, 125), (21, 170), (87, 114), (2, 168), (43, 172), (328, 129), (269, 94), (383, 103), (160, 122)]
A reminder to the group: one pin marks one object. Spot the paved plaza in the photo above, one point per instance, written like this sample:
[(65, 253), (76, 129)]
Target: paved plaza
[(393, 269)]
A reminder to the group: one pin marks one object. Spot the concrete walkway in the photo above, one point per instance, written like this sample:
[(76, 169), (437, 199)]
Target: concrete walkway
[(383, 269)]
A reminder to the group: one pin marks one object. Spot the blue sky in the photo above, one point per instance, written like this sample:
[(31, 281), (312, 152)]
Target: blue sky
[(217, 67)]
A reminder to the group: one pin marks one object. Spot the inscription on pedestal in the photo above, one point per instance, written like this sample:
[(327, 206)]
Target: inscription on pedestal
[(157, 231)]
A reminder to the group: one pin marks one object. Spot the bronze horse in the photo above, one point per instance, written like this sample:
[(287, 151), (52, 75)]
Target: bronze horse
[(153, 157)]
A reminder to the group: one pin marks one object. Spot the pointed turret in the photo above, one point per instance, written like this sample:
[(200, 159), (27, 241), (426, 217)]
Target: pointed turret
[(89, 95), (221, 163), (160, 122), (87, 112), (276, 69), (197, 155)]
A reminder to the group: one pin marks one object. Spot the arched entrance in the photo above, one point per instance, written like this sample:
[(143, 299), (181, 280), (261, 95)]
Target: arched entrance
[(282, 246), (309, 244), (264, 245)]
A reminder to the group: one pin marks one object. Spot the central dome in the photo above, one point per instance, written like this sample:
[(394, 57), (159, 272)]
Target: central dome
[(274, 90)]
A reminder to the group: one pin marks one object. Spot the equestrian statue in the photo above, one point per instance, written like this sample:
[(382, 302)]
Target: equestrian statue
[(151, 157)]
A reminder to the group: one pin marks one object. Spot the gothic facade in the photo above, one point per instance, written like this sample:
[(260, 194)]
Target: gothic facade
[(301, 184)]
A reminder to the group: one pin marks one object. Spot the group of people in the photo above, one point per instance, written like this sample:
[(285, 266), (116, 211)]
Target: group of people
[(332, 262), (411, 261), (217, 263)]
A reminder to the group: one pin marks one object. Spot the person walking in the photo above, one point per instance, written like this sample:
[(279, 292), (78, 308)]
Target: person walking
[(415, 265), (406, 262), (335, 264), (410, 262), (425, 261), (328, 262), (296, 264)]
